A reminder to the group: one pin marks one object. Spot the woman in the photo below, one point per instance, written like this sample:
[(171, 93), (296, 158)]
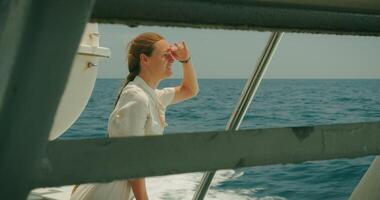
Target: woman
[(140, 107)]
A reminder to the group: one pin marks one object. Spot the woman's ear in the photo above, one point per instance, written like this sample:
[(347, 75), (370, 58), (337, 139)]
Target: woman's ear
[(143, 58)]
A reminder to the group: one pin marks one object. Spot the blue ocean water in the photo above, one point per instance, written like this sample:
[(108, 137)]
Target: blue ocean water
[(278, 103)]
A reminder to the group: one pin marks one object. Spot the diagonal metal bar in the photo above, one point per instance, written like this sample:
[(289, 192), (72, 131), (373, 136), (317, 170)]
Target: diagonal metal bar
[(244, 101), (103, 160), (38, 41)]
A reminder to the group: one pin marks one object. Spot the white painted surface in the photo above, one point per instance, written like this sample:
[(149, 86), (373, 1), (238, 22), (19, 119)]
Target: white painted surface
[(81, 81)]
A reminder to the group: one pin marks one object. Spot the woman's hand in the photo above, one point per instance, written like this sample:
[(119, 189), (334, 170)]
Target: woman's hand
[(179, 51)]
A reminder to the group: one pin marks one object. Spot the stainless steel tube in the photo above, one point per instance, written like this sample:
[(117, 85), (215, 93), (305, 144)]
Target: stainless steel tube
[(242, 106)]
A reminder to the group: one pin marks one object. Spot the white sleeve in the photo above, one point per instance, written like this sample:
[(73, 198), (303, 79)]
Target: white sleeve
[(166, 95), (130, 117)]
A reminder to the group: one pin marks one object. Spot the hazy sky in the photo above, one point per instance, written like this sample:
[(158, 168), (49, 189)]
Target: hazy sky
[(233, 54)]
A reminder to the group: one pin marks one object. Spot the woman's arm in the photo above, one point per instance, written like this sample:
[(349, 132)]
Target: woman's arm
[(189, 86), (139, 188), (129, 120)]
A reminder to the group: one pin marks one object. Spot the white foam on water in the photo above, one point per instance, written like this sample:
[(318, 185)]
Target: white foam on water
[(272, 198), (225, 175), (183, 186)]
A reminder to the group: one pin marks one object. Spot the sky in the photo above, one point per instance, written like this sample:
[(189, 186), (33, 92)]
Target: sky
[(221, 54)]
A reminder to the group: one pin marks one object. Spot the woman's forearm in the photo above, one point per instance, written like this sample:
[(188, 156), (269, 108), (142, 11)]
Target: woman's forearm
[(139, 188), (189, 80)]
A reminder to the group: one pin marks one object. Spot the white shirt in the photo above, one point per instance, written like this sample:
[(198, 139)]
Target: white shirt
[(140, 111)]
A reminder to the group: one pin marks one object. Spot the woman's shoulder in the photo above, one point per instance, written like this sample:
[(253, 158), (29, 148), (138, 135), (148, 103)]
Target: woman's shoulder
[(166, 95), (134, 92)]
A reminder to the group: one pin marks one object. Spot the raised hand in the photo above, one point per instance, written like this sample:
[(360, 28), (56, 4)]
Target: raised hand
[(179, 51)]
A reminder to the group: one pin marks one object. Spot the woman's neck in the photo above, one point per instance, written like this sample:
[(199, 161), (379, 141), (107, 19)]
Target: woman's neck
[(150, 81)]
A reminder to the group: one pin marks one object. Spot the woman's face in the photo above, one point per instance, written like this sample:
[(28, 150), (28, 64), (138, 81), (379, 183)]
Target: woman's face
[(160, 62)]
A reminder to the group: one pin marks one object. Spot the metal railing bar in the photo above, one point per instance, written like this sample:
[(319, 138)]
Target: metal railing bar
[(245, 100)]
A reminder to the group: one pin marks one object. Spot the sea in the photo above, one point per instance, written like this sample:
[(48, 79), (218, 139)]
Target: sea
[(277, 103)]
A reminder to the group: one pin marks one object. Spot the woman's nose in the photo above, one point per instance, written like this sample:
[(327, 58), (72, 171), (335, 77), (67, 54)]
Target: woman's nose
[(171, 57)]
